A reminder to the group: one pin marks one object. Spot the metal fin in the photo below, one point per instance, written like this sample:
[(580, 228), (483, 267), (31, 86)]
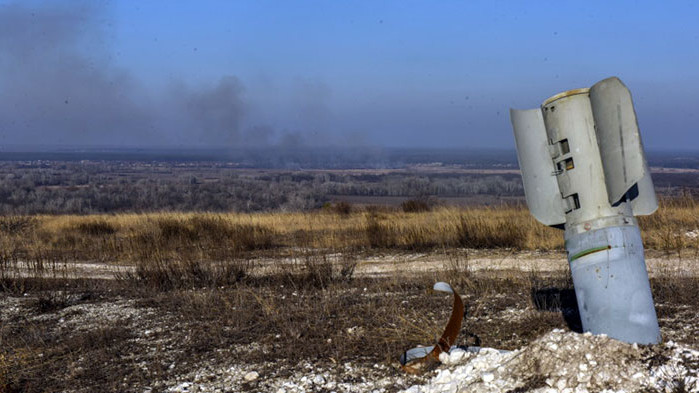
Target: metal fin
[(540, 185), (620, 146)]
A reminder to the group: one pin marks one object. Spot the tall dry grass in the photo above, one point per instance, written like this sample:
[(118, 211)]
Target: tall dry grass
[(674, 227), (129, 238)]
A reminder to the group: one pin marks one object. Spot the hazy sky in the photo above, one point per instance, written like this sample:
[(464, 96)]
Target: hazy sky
[(390, 73)]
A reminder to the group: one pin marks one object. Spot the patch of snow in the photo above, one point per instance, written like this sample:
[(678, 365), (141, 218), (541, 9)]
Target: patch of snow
[(566, 362), (251, 376)]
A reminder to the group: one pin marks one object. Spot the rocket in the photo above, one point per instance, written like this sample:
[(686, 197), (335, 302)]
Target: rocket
[(584, 171)]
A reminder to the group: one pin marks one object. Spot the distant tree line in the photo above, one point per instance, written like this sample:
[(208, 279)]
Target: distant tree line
[(57, 187), (104, 187)]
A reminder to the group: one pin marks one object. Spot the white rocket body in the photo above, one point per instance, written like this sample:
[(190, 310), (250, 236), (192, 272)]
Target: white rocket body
[(584, 170)]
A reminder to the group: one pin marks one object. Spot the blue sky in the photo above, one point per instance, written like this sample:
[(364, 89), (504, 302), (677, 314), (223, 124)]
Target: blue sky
[(390, 73)]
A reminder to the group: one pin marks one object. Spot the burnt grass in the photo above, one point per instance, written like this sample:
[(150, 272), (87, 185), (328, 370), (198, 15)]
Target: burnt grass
[(127, 335)]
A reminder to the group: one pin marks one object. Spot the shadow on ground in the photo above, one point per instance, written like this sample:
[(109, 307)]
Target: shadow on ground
[(559, 300)]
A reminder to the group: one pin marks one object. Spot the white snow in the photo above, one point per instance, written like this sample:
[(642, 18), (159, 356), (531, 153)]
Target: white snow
[(565, 362), (251, 376)]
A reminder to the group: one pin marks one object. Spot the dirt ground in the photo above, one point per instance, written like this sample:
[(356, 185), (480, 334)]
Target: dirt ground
[(91, 332), (387, 264)]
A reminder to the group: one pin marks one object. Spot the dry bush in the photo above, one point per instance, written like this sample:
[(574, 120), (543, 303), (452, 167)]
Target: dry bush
[(379, 234), (182, 272), (416, 206), (471, 228), (21, 271), (48, 301), (456, 270), (480, 232), (342, 208), (98, 227), (205, 231), (677, 289), (419, 239), (322, 270), (175, 252), (175, 230), (16, 225)]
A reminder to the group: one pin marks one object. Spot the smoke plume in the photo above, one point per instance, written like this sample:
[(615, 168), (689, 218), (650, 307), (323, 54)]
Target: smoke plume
[(58, 85)]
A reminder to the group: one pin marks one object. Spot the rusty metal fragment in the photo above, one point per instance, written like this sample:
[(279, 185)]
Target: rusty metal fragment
[(415, 360)]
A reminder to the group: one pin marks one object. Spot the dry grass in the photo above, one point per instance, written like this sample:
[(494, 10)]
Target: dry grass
[(674, 227), (130, 238)]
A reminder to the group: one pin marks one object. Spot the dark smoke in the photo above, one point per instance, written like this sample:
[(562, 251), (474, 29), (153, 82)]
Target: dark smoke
[(259, 136), (59, 86), (312, 97), (212, 116)]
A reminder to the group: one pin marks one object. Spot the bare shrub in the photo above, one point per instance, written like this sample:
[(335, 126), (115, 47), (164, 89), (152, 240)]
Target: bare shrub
[(99, 227), (416, 205), (15, 225), (173, 229), (9, 259), (21, 270), (185, 272), (49, 301), (456, 267), (199, 237), (38, 361), (675, 288), (210, 227), (342, 208), (318, 270), (322, 270), (378, 235), (248, 237), (348, 263)]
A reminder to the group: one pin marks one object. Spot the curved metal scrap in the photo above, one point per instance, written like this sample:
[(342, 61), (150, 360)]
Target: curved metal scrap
[(413, 360)]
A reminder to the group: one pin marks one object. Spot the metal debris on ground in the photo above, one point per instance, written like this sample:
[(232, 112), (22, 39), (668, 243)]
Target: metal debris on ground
[(414, 360)]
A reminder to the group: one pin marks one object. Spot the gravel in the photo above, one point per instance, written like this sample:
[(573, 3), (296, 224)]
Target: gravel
[(568, 362)]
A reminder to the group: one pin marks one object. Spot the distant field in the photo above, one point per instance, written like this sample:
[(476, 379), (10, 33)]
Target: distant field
[(297, 158), (90, 187)]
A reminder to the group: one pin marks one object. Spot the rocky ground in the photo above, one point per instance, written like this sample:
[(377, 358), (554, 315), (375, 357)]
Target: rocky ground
[(561, 361), (110, 335)]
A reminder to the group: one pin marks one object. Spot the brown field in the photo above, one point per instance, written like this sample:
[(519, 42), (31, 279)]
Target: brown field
[(190, 303), (133, 238)]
